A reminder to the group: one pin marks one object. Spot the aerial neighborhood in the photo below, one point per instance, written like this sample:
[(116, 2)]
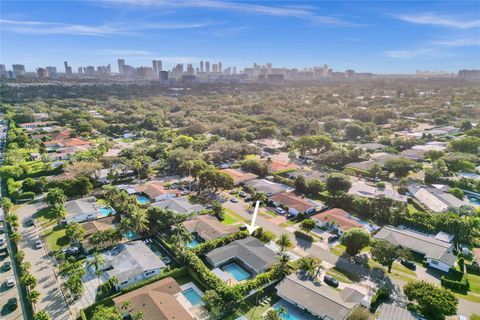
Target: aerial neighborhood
[(358, 202)]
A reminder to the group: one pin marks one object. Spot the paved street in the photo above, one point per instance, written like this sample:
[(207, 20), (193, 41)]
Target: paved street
[(51, 298), (8, 293)]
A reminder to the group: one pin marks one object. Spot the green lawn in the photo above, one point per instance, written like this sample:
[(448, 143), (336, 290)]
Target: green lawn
[(228, 219), (399, 267), (253, 311), (468, 297), (45, 217), (234, 215), (474, 281), (338, 250), (55, 238), (338, 275)]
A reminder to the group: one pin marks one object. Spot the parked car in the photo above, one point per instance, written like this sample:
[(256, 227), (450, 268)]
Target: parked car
[(243, 228), (29, 222), (2, 240), (409, 264), (7, 265), (10, 282), (38, 244), (281, 211), (234, 200), (12, 304), (243, 194), (333, 238), (71, 251), (290, 216), (331, 281)]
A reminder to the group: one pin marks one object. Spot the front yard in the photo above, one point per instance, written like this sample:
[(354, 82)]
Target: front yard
[(55, 238)]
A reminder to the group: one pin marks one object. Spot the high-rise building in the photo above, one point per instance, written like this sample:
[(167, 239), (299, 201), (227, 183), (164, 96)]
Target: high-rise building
[(214, 68), (157, 67), (190, 70), (68, 69), (121, 66), (207, 67), (51, 72), (201, 66), (18, 69), (80, 70), (220, 67), (163, 76), (42, 72)]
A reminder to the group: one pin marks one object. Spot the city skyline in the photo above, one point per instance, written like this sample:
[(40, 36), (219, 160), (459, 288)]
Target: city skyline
[(437, 36)]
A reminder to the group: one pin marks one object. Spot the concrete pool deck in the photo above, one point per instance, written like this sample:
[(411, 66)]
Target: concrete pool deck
[(196, 311)]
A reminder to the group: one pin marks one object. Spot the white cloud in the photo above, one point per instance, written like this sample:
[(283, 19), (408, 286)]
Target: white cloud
[(440, 20), (301, 12), (49, 28), (406, 54), (457, 42)]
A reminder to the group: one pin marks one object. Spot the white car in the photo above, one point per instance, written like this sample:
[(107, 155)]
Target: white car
[(280, 211), (38, 244), (10, 282)]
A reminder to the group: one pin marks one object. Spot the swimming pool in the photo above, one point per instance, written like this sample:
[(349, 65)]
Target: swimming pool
[(236, 271), (473, 200), (193, 243), (106, 211), (292, 312), (131, 235), (192, 296), (143, 200)]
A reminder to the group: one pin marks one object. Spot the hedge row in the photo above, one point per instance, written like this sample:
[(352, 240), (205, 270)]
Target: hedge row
[(463, 285), (303, 235), (209, 245)]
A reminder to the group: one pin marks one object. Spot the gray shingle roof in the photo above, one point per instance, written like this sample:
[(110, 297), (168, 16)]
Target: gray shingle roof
[(318, 298), (250, 251), (262, 185), (388, 311), (208, 227), (419, 242), (179, 205), (81, 206), (130, 259)]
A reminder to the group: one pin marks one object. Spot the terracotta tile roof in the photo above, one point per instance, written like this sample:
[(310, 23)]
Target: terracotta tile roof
[(155, 189), (339, 217), (293, 200), (156, 301), (239, 176), (279, 166)]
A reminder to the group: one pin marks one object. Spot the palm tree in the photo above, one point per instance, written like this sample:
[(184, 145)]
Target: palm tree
[(311, 266), (33, 296), (283, 242), (181, 236), (97, 262), (126, 305), (283, 267), (138, 316)]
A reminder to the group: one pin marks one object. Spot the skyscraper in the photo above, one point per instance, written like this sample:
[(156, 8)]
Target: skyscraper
[(157, 67), (121, 66), (207, 67), (51, 72), (68, 69), (201, 66), (18, 69), (220, 67)]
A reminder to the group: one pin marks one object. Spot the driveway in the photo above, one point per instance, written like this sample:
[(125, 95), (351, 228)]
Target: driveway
[(51, 299)]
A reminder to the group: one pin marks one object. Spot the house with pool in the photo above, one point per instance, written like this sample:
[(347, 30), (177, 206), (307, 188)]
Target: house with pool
[(163, 299), (85, 209), (93, 226), (241, 259), (155, 191), (131, 262), (303, 298)]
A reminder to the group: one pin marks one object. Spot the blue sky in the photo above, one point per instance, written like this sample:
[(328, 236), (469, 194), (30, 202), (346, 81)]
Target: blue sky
[(374, 36)]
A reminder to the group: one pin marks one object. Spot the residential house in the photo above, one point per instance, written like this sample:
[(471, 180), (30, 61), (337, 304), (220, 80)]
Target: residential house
[(269, 144), (156, 191), (363, 189), (239, 176), (94, 226), (337, 219), (295, 203), (179, 205), (318, 298), (375, 159), (308, 174), (250, 253), (80, 210), (276, 166), (36, 124), (390, 311), (438, 253), (208, 227), (435, 198), (156, 301), (414, 154), (371, 146), (265, 186), (131, 262)]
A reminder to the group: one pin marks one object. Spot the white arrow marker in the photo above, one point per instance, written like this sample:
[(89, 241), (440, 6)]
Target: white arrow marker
[(252, 227)]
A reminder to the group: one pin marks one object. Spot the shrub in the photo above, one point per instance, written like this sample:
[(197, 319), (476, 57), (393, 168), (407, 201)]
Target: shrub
[(380, 296), (303, 235), (463, 285), (209, 245)]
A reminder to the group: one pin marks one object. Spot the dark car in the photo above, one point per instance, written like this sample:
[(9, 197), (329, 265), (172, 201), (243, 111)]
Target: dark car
[(333, 238), (331, 281), (7, 265), (408, 264), (243, 228), (12, 304), (29, 222)]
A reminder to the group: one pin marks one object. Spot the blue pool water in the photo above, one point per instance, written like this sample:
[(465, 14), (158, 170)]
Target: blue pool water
[(192, 296), (237, 272), (193, 243), (292, 312), (143, 200), (131, 235), (473, 200), (106, 211)]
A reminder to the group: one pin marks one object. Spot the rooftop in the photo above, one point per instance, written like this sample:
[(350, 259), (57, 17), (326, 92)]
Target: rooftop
[(294, 200), (339, 217), (266, 186), (239, 176), (156, 301), (179, 205), (363, 189), (208, 227), (81, 206), (130, 259)]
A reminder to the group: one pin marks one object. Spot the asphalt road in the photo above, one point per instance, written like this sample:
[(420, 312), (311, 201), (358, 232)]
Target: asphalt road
[(51, 298)]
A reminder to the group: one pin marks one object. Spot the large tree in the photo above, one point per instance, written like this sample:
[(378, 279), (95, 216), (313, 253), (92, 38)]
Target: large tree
[(354, 240), (432, 301), (337, 183), (386, 253), (55, 196)]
